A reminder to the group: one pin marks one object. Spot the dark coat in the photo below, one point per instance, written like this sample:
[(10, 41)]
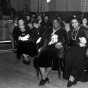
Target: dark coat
[(75, 57), (27, 47), (48, 56)]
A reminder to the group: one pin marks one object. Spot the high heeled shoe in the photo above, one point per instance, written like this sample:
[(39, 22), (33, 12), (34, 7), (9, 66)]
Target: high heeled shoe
[(47, 79), (70, 83), (26, 62), (44, 81)]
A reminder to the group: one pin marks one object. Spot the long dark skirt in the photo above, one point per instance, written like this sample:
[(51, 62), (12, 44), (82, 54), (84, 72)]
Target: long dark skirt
[(48, 57), (75, 62), (27, 47)]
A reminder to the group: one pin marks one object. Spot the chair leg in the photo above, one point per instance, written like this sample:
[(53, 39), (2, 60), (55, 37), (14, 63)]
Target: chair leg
[(38, 73)]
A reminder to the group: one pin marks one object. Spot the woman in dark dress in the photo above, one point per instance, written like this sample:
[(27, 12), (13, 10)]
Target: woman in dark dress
[(51, 51), (74, 60), (24, 40)]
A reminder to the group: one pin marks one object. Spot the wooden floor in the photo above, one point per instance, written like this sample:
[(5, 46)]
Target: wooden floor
[(14, 74)]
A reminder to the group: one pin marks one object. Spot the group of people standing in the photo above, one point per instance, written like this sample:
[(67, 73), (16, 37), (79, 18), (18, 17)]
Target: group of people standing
[(53, 47)]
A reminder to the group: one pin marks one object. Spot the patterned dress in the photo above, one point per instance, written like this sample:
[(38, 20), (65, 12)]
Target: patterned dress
[(75, 57)]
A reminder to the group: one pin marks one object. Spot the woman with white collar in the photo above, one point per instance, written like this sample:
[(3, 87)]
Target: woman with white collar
[(24, 39), (52, 50)]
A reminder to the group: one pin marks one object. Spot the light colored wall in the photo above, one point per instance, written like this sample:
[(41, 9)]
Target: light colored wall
[(68, 5), (33, 5), (43, 6), (74, 5), (60, 5), (54, 5), (19, 4)]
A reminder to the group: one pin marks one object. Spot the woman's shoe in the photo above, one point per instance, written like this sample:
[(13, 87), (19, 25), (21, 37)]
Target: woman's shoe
[(26, 62), (70, 83), (47, 79), (43, 81)]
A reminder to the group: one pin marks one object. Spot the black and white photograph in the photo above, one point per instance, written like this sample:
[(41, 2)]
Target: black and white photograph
[(43, 43)]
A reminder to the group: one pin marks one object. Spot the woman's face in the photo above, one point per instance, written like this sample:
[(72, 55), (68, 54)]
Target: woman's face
[(46, 18), (75, 23), (21, 25), (28, 17), (21, 22), (84, 21), (39, 18), (30, 25), (56, 24)]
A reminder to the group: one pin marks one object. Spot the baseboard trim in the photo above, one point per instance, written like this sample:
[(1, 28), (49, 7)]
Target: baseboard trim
[(9, 41), (8, 50)]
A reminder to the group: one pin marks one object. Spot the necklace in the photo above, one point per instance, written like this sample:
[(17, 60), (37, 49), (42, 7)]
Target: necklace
[(74, 34)]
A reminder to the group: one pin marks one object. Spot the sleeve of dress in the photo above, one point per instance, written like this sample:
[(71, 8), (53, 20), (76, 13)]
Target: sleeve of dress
[(35, 35), (64, 38), (66, 42)]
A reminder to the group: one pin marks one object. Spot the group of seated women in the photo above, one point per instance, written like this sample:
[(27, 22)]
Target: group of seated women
[(53, 47)]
